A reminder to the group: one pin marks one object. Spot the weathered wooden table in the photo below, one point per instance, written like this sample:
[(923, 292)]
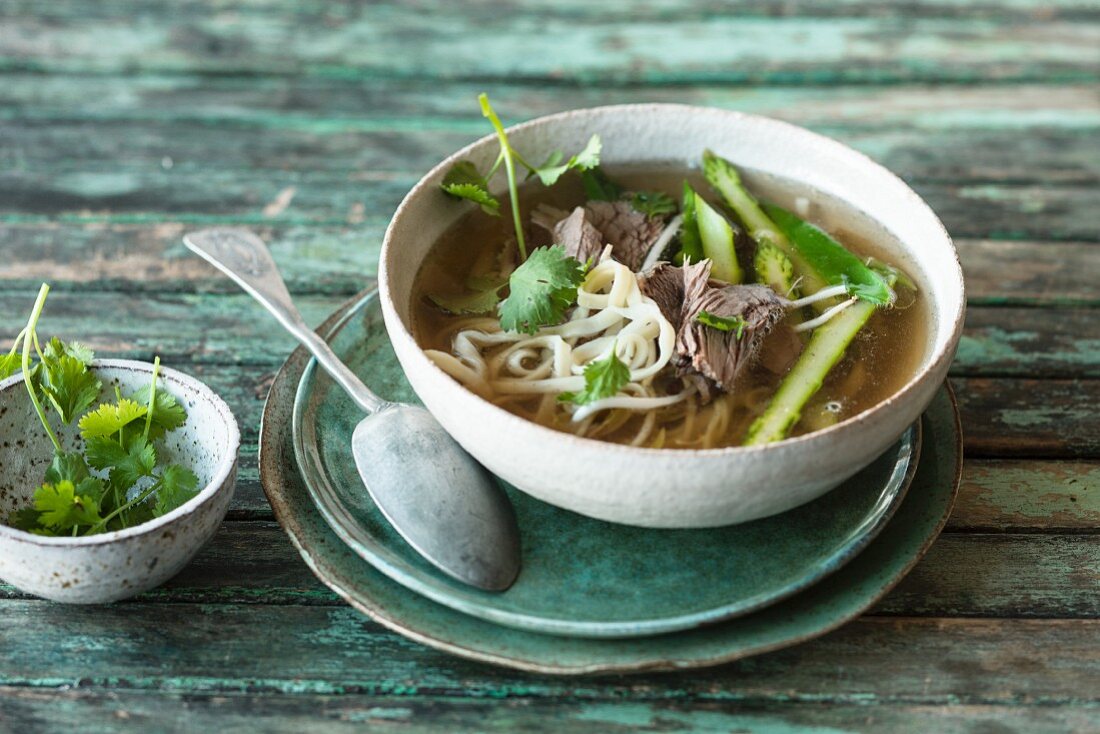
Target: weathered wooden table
[(124, 122)]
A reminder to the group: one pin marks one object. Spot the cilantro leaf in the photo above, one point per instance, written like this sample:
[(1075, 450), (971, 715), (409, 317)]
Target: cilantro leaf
[(540, 290), (110, 418), (603, 378), (653, 203), (127, 464), (464, 182), (56, 348), (722, 323), (61, 507), (25, 519), (69, 385), (10, 364), (178, 485), (550, 171), (69, 466), (597, 186), (168, 414)]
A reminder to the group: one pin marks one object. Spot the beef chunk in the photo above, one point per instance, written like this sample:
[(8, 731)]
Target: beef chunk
[(573, 231), (721, 355), (585, 230), (708, 358), (664, 283), (630, 233)]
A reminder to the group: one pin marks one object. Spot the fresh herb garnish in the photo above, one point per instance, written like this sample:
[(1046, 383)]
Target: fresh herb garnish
[(120, 444), (465, 181), (735, 324), (550, 171), (540, 290), (653, 203), (598, 187), (603, 378)]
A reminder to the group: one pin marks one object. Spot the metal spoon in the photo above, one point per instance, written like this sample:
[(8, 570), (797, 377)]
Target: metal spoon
[(434, 494)]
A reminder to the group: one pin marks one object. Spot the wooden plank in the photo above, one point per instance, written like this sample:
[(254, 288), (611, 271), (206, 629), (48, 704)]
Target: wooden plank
[(157, 151), (329, 11), (1027, 341), (94, 711), (1002, 576), (969, 574), (1029, 418), (341, 261), (303, 649), (330, 106), (1010, 495), (674, 43), (1030, 273)]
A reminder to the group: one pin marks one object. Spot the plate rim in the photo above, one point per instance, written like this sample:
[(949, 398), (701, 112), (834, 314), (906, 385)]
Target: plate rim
[(326, 498), (270, 453)]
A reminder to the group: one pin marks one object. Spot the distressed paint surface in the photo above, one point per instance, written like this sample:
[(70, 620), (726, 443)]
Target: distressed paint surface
[(545, 41), (123, 123)]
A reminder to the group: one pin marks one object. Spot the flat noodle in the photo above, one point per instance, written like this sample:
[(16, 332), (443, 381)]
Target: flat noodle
[(611, 313)]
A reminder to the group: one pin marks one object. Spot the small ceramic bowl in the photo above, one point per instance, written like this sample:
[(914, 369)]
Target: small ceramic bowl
[(681, 488), (111, 566)]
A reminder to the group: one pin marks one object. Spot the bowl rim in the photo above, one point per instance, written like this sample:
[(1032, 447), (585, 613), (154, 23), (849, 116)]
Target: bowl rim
[(217, 483), (936, 362)]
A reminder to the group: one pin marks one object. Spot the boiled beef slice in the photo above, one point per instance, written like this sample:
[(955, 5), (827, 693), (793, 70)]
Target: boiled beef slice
[(721, 355), (584, 231)]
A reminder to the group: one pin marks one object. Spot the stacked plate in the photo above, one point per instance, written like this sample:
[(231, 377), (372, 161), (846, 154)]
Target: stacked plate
[(595, 596)]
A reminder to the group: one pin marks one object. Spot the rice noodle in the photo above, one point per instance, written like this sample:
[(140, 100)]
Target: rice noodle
[(611, 313)]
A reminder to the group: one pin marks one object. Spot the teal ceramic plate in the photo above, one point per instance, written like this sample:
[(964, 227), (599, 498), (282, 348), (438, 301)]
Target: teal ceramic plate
[(822, 607), (585, 577)]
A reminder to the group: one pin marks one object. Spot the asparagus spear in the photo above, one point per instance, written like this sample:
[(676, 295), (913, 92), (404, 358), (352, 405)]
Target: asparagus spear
[(706, 232), (774, 269), (822, 352), (725, 179)]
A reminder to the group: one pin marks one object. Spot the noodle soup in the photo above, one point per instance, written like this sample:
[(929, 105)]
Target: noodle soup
[(670, 408)]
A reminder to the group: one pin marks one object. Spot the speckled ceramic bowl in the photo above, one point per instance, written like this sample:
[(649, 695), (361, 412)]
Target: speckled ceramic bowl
[(111, 566), (680, 488)]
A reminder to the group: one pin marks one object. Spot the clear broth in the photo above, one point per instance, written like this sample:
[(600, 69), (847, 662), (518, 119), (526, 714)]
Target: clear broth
[(881, 359)]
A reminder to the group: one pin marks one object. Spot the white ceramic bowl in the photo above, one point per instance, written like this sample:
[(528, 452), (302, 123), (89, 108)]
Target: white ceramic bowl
[(111, 566), (680, 488)]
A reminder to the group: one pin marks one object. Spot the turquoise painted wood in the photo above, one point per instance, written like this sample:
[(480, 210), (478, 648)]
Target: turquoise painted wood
[(123, 122)]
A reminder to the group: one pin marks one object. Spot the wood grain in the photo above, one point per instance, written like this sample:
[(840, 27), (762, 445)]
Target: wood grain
[(308, 649), (95, 711), (125, 122), (669, 43)]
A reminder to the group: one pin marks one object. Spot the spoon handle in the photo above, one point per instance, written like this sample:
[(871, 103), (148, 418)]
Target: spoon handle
[(244, 257)]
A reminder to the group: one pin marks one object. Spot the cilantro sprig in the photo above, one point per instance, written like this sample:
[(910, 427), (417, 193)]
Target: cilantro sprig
[(118, 480), (603, 378), (540, 290), (465, 181)]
